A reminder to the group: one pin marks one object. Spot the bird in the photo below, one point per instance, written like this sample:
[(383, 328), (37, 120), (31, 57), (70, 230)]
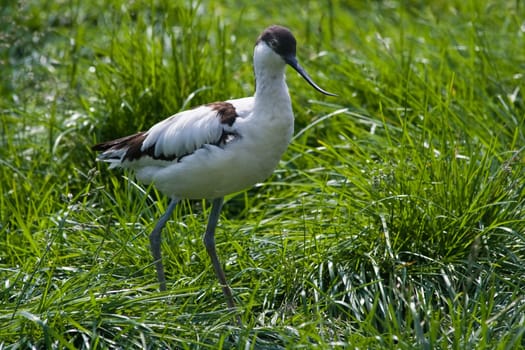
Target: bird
[(218, 148)]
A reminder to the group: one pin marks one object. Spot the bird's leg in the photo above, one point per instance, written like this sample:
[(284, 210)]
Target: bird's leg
[(154, 239), (209, 243)]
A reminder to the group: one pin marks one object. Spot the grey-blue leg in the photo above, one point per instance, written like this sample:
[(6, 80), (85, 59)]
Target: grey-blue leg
[(154, 240), (209, 243)]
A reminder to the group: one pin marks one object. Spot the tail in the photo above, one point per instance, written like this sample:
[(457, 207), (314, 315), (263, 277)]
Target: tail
[(116, 151)]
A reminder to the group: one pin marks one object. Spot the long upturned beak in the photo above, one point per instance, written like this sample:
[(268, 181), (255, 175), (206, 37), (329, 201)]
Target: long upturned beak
[(292, 61)]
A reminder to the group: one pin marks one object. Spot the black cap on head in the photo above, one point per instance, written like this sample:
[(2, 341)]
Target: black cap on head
[(279, 39)]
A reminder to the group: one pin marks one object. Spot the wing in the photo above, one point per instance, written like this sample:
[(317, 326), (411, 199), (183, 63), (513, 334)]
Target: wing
[(177, 136)]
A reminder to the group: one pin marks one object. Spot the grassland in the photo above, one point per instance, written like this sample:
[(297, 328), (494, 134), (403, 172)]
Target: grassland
[(395, 220)]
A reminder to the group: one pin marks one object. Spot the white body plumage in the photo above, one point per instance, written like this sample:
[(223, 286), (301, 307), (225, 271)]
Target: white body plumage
[(248, 155)]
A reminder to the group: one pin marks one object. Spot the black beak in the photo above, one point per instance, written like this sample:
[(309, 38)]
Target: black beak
[(292, 61)]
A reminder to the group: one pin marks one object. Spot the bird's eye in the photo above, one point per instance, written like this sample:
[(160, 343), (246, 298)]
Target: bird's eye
[(273, 43)]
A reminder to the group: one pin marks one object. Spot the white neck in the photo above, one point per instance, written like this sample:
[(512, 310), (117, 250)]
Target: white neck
[(270, 84)]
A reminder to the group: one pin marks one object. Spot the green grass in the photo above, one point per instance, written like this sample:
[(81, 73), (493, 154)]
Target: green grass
[(395, 220)]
